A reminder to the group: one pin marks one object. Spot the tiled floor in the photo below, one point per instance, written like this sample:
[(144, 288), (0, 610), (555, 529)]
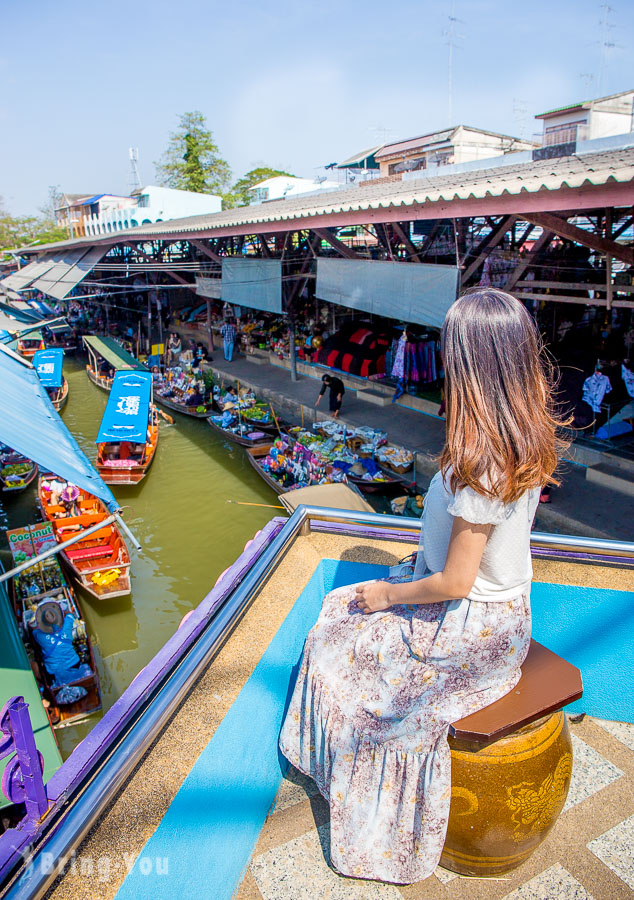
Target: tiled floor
[(589, 855)]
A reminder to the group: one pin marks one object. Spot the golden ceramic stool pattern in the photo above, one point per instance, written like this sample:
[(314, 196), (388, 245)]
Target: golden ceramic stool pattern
[(505, 797)]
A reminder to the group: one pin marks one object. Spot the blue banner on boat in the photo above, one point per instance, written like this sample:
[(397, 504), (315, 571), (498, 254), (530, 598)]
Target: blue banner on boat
[(128, 410), (48, 364)]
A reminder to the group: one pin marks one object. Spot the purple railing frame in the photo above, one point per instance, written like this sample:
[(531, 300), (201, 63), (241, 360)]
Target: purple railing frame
[(15, 842)]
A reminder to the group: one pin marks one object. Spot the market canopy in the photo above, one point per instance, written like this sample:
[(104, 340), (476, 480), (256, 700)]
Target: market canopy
[(255, 283), (23, 277), (48, 365), (73, 267), (419, 294), (128, 409), (113, 353), (22, 312), (31, 426)]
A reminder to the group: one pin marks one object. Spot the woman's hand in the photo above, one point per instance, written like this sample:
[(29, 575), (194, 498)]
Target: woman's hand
[(374, 597)]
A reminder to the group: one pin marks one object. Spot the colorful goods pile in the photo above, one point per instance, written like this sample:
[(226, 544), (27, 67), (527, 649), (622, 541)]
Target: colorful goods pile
[(396, 458), (294, 467)]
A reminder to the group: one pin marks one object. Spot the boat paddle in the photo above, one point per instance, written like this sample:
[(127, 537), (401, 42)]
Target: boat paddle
[(245, 503), (167, 417)]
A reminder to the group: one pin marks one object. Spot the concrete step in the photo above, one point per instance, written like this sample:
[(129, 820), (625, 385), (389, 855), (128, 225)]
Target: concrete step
[(376, 397), (611, 477)]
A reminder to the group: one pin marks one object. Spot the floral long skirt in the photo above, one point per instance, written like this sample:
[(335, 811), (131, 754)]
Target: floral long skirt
[(369, 717)]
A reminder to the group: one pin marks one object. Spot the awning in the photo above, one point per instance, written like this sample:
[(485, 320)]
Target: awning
[(48, 365), (113, 353), (11, 325), (128, 409), (23, 277), (31, 426), (60, 328), (72, 268), (22, 313)]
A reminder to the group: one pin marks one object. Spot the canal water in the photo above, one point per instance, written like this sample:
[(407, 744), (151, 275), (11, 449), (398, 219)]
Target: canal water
[(188, 530)]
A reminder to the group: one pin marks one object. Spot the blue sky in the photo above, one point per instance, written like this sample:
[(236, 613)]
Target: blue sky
[(294, 85)]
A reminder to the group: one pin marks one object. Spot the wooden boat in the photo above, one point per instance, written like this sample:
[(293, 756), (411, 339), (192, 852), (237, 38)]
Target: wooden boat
[(28, 346), (60, 397), (100, 564), (392, 481), (115, 470), (16, 471), (259, 613), (42, 583), (193, 411), (105, 355), (255, 456), (238, 438)]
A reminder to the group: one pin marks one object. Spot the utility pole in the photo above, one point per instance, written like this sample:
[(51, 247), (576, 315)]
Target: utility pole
[(135, 178)]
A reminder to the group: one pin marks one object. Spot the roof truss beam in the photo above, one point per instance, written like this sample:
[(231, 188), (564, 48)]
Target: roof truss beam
[(492, 240), (567, 230), (325, 235)]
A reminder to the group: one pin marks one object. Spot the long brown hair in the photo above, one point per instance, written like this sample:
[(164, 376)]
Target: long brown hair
[(502, 426)]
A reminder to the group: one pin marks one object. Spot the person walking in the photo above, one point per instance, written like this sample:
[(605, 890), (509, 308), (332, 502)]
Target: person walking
[(390, 664), (337, 390), (228, 333)]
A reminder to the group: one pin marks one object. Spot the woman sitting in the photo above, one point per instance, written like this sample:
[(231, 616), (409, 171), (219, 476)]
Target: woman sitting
[(391, 664)]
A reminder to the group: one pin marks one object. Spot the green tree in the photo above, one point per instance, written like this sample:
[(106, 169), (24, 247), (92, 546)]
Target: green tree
[(19, 231), (239, 194), (192, 161)]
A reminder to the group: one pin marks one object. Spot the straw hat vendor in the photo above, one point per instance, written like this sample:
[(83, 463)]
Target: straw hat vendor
[(53, 632)]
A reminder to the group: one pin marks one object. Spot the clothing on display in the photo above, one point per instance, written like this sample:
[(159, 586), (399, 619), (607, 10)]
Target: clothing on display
[(628, 379), (594, 390)]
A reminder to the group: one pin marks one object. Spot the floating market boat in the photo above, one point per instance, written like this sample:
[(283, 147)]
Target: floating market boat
[(48, 365), (29, 345), (16, 471), (334, 446), (177, 390), (100, 563), (77, 694), (246, 435), (129, 430), (231, 668), (61, 336), (286, 467), (105, 357)]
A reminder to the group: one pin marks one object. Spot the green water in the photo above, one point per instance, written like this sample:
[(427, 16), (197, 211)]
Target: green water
[(188, 531)]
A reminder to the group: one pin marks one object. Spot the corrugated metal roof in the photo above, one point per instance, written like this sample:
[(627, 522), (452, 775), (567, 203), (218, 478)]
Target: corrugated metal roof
[(547, 175), (359, 157)]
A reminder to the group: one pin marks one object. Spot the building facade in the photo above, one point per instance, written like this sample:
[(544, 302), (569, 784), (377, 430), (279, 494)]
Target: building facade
[(588, 120)]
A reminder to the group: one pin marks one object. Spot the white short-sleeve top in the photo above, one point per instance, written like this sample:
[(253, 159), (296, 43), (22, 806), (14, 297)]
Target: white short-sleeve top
[(505, 569)]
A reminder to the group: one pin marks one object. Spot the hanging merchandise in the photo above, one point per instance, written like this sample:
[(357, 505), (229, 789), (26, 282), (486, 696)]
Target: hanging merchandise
[(398, 366)]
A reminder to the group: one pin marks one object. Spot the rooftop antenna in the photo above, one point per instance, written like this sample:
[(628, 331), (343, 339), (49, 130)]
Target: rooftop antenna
[(605, 43), (135, 178), (452, 41), (520, 112)]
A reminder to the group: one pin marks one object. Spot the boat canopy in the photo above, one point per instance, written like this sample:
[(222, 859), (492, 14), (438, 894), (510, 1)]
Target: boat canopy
[(30, 425), (60, 328), (335, 496), (113, 353), (127, 413), (48, 365)]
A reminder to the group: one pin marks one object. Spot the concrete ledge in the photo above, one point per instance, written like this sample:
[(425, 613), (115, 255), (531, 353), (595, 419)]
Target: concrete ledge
[(611, 477), (375, 397)]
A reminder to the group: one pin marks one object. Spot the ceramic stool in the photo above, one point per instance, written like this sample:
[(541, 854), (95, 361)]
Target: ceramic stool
[(511, 768)]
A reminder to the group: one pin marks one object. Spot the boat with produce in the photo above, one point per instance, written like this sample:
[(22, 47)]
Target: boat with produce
[(44, 604), (48, 365), (60, 335), (16, 471), (333, 443), (105, 357), (100, 563), (184, 393), (231, 427), (253, 625), (285, 466), (129, 430)]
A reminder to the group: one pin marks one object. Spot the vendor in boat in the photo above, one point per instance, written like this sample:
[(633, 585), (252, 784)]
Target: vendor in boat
[(54, 633), (196, 398), (174, 349), (391, 663), (105, 369), (231, 396)]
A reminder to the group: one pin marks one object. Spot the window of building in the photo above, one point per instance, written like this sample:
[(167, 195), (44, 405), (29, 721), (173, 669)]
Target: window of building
[(562, 134)]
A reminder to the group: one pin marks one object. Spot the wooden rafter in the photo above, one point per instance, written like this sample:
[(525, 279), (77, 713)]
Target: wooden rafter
[(181, 280), (325, 235), (490, 241), (569, 231), (406, 241), (266, 250), (211, 254), (529, 260)]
